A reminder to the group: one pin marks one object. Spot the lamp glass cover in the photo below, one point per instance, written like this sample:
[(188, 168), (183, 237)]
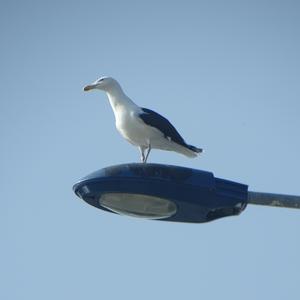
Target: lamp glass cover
[(138, 205)]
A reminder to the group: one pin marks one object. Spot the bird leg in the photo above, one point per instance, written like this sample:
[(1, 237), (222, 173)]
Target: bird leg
[(148, 152), (142, 150)]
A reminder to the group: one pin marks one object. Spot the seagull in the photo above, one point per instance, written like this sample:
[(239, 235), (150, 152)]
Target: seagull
[(142, 127)]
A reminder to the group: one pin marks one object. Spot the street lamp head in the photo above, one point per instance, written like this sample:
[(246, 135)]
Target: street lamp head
[(162, 192)]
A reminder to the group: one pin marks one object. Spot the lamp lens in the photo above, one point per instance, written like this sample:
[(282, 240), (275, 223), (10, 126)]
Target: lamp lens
[(138, 205)]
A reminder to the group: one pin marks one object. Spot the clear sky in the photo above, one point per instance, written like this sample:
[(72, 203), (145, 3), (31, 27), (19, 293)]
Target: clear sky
[(225, 73)]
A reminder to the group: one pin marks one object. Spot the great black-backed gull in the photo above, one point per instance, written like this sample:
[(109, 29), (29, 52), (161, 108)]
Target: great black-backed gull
[(140, 126)]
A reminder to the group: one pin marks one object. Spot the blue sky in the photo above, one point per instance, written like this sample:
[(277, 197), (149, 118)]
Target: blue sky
[(226, 73)]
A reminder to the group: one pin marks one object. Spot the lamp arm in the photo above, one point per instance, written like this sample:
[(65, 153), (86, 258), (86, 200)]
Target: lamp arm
[(270, 199)]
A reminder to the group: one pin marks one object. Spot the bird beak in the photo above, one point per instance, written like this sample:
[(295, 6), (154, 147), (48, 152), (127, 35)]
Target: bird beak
[(89, 87)]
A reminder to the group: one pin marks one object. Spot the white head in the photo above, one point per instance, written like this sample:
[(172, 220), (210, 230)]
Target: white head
[(103, 83)]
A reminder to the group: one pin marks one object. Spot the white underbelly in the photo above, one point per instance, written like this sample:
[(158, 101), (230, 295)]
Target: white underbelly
[(138, 133)]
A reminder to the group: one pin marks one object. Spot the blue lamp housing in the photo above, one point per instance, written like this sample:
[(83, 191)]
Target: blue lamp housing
[(162, 192)]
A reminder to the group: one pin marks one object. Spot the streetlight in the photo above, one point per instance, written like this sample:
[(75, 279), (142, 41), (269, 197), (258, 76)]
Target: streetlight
[(171, 193)]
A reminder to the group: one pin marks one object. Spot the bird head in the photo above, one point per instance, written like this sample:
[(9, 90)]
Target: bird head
[(103, 83)]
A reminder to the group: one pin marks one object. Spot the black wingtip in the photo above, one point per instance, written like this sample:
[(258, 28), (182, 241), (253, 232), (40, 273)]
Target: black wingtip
[(195, 149)]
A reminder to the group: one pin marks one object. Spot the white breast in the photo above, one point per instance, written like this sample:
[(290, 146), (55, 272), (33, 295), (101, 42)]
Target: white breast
[(134, 130)]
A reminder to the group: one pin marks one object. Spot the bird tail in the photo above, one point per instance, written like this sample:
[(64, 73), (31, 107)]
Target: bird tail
[(188, 150)]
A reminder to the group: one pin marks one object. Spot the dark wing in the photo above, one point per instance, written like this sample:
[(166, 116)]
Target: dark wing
[(154, 119)]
